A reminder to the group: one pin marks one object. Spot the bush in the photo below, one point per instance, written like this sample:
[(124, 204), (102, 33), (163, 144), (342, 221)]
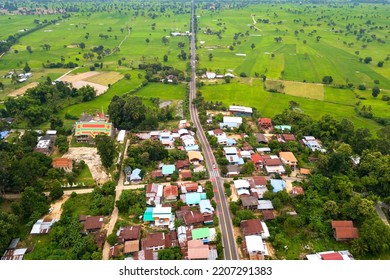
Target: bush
[(112, 238), (56, 192), (362, 87)]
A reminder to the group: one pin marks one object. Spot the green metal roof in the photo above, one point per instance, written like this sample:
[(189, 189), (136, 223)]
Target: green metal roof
[(200, 233), (148, 215)]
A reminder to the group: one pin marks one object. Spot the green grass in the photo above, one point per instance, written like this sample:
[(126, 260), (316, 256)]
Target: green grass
[(79, 205), (300, 57), (162, 91), (269, 104), (85, 177)]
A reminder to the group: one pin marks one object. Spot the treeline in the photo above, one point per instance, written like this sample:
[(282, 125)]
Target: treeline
[(129, 113), (156, 71), (45, 100)]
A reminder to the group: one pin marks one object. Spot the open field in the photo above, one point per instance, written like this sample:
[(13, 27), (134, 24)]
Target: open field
[(98, 80), (162, 91), (269, 104), (312, 42), (313, 91)]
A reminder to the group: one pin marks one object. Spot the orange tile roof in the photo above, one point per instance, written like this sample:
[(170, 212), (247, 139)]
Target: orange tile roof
[(171, 191), (336, 224), (62, 163), (346, 233), (289, 156)]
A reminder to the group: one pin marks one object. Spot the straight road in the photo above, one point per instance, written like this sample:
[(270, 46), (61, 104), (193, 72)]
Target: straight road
[(225, 220)]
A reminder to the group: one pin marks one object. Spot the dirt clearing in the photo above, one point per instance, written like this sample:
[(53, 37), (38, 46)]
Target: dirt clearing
[(92, 159), (22, 90), (98, 80)]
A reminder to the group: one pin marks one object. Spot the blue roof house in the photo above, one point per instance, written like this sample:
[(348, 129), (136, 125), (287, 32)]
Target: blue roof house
[(148, 215), (278, 185), (135, 175), (168, 169), (194, 198)]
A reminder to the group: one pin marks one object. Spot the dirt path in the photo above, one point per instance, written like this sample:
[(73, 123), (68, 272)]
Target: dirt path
[(57, 208), (22, 90), (254, 23), (114, 216)]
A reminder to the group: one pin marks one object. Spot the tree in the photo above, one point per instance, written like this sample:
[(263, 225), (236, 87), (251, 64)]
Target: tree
[(106, 149), (172, 253), (1, 86), (119, 62), (56, 122), (165, 58), (253, 46), (32, 202), (367, 59), (164, 40), (62, 144), (127, 76), (248, 168), (82, 45), (327, 80), (380, 63), (46, 47), (375, 91), (8, 229), (56, 192), (147, 40), (210, 56), (87, 93), (26, 68), (29, 49)]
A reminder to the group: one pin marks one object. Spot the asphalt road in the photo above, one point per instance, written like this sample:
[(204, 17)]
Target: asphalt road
[(225, 220)]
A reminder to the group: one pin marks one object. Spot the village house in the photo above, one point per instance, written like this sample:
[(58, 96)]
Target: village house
[(288, 158), (240, 111), (344, 230), (261, 139), (233, 170), (204, 234), (186, 174), (241, 187), (265, 123), (295, 191), (195, 157), (278, 185), (283, 128), (273, 165), (230, 122), (233, 155), (287, 138), (193, 198), (45, 144), (168, 170), (330, 256), (187, 187), (251, 227), (156, 241), (171, 193), (192, 218), (249, 202), (182, 164), (197, 250), (312, 143), (258, 161), (265, 205), (92, 223), (211, 75), (268, 215), (63, 163), (154, 194), (43, 226), (255, 245), (129, 233)]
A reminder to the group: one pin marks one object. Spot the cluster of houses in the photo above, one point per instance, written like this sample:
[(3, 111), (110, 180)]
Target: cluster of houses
[(194, 236), (262, 156), (213, 75), (181, 139), (22, 77)]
